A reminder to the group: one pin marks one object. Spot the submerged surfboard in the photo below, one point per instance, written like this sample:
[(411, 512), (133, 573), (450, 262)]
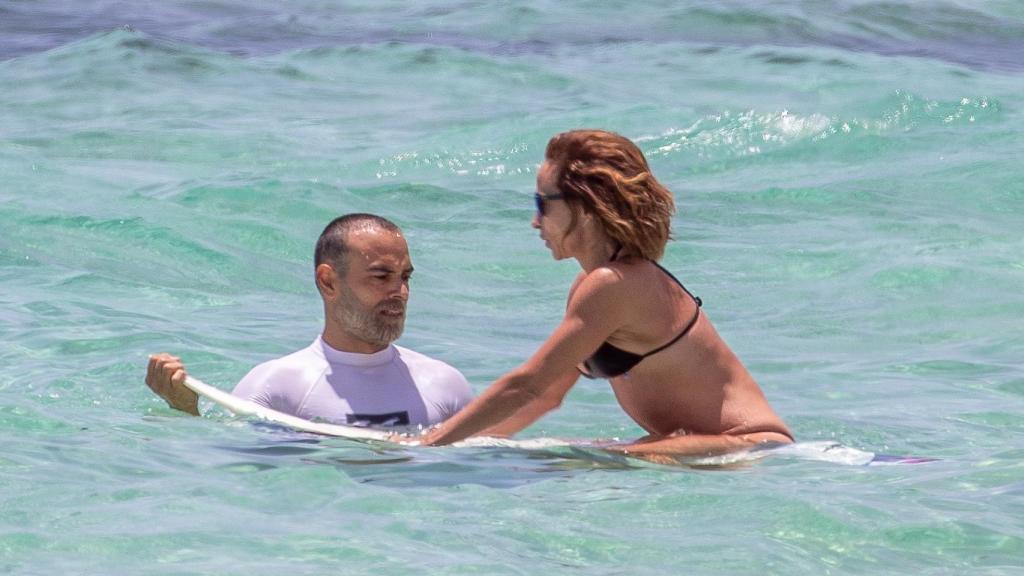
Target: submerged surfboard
[(826, 451)]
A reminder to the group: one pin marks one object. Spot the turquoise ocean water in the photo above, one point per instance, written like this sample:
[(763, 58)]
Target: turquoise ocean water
[(851, 208)]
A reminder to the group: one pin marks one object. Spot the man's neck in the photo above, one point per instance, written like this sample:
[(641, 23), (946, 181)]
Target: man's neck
[(341, 340)]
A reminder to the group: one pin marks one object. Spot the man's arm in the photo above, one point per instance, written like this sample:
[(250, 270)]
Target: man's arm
[(165, 376)]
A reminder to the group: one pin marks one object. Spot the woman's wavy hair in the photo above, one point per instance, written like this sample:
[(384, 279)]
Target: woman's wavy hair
[(609, 177)]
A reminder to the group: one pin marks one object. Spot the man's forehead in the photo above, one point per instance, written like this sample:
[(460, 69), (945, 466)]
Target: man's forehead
[(372, 245)]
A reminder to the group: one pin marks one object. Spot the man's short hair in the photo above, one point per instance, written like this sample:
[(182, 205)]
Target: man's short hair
[(332, 246)]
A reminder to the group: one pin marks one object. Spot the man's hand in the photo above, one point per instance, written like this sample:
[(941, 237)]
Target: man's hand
[(165, 376)]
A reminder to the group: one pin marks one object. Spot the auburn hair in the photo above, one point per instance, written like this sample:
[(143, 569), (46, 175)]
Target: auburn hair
[(607, 175)]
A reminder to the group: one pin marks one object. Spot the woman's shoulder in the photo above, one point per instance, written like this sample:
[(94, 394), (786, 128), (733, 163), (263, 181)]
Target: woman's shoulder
[(620, 273), (607, 283)]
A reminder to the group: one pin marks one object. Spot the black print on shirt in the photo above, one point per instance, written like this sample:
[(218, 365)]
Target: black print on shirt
[(389, 419)]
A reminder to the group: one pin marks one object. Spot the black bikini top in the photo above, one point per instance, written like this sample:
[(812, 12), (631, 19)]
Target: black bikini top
[(610, 361)]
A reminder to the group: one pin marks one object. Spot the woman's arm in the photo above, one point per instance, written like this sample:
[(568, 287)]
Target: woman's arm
[(504, 398), (552, 398), (594, 312), (693, 445)]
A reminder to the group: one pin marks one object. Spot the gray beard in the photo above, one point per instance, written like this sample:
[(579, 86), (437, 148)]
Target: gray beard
[(368, 325)]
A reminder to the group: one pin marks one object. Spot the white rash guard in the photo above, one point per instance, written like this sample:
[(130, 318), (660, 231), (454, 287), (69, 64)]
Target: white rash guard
[(393, 387)]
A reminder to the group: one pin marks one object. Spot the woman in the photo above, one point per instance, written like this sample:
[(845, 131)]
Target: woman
[(627, 318)]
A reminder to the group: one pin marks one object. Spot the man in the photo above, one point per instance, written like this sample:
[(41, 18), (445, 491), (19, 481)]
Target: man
[(352, 373)]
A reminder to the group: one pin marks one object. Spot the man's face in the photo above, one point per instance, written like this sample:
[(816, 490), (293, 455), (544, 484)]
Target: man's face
[(374, 287)]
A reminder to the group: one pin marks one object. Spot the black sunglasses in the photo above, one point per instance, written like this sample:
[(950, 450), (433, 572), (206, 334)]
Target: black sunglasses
[(539, 200)]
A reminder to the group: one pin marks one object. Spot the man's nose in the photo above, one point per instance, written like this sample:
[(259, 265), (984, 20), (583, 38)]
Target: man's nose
[(536, 220), (401, 290)]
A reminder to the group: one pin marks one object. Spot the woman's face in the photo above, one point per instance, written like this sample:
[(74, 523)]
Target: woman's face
[(557, 217)]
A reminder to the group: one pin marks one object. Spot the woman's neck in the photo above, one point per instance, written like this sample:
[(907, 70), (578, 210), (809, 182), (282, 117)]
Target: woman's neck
[(600, 251)]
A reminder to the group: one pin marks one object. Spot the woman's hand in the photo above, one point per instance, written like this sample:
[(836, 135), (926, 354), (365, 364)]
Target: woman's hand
[(411, 438)]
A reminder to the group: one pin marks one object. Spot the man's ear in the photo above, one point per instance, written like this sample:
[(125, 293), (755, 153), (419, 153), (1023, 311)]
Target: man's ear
[(327, 281)]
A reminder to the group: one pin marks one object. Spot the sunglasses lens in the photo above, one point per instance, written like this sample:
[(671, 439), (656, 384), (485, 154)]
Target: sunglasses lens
[(539, 201)]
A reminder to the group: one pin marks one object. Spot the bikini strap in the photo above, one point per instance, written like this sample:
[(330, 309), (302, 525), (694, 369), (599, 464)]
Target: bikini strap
[(684, 332), (672, 276), (689, 326)]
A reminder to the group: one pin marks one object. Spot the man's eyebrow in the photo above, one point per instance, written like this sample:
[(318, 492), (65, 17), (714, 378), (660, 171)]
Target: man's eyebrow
[(388, 269)]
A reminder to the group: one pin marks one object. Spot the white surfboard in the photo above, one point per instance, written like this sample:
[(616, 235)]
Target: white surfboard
[(243, 407), (827, 451)]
